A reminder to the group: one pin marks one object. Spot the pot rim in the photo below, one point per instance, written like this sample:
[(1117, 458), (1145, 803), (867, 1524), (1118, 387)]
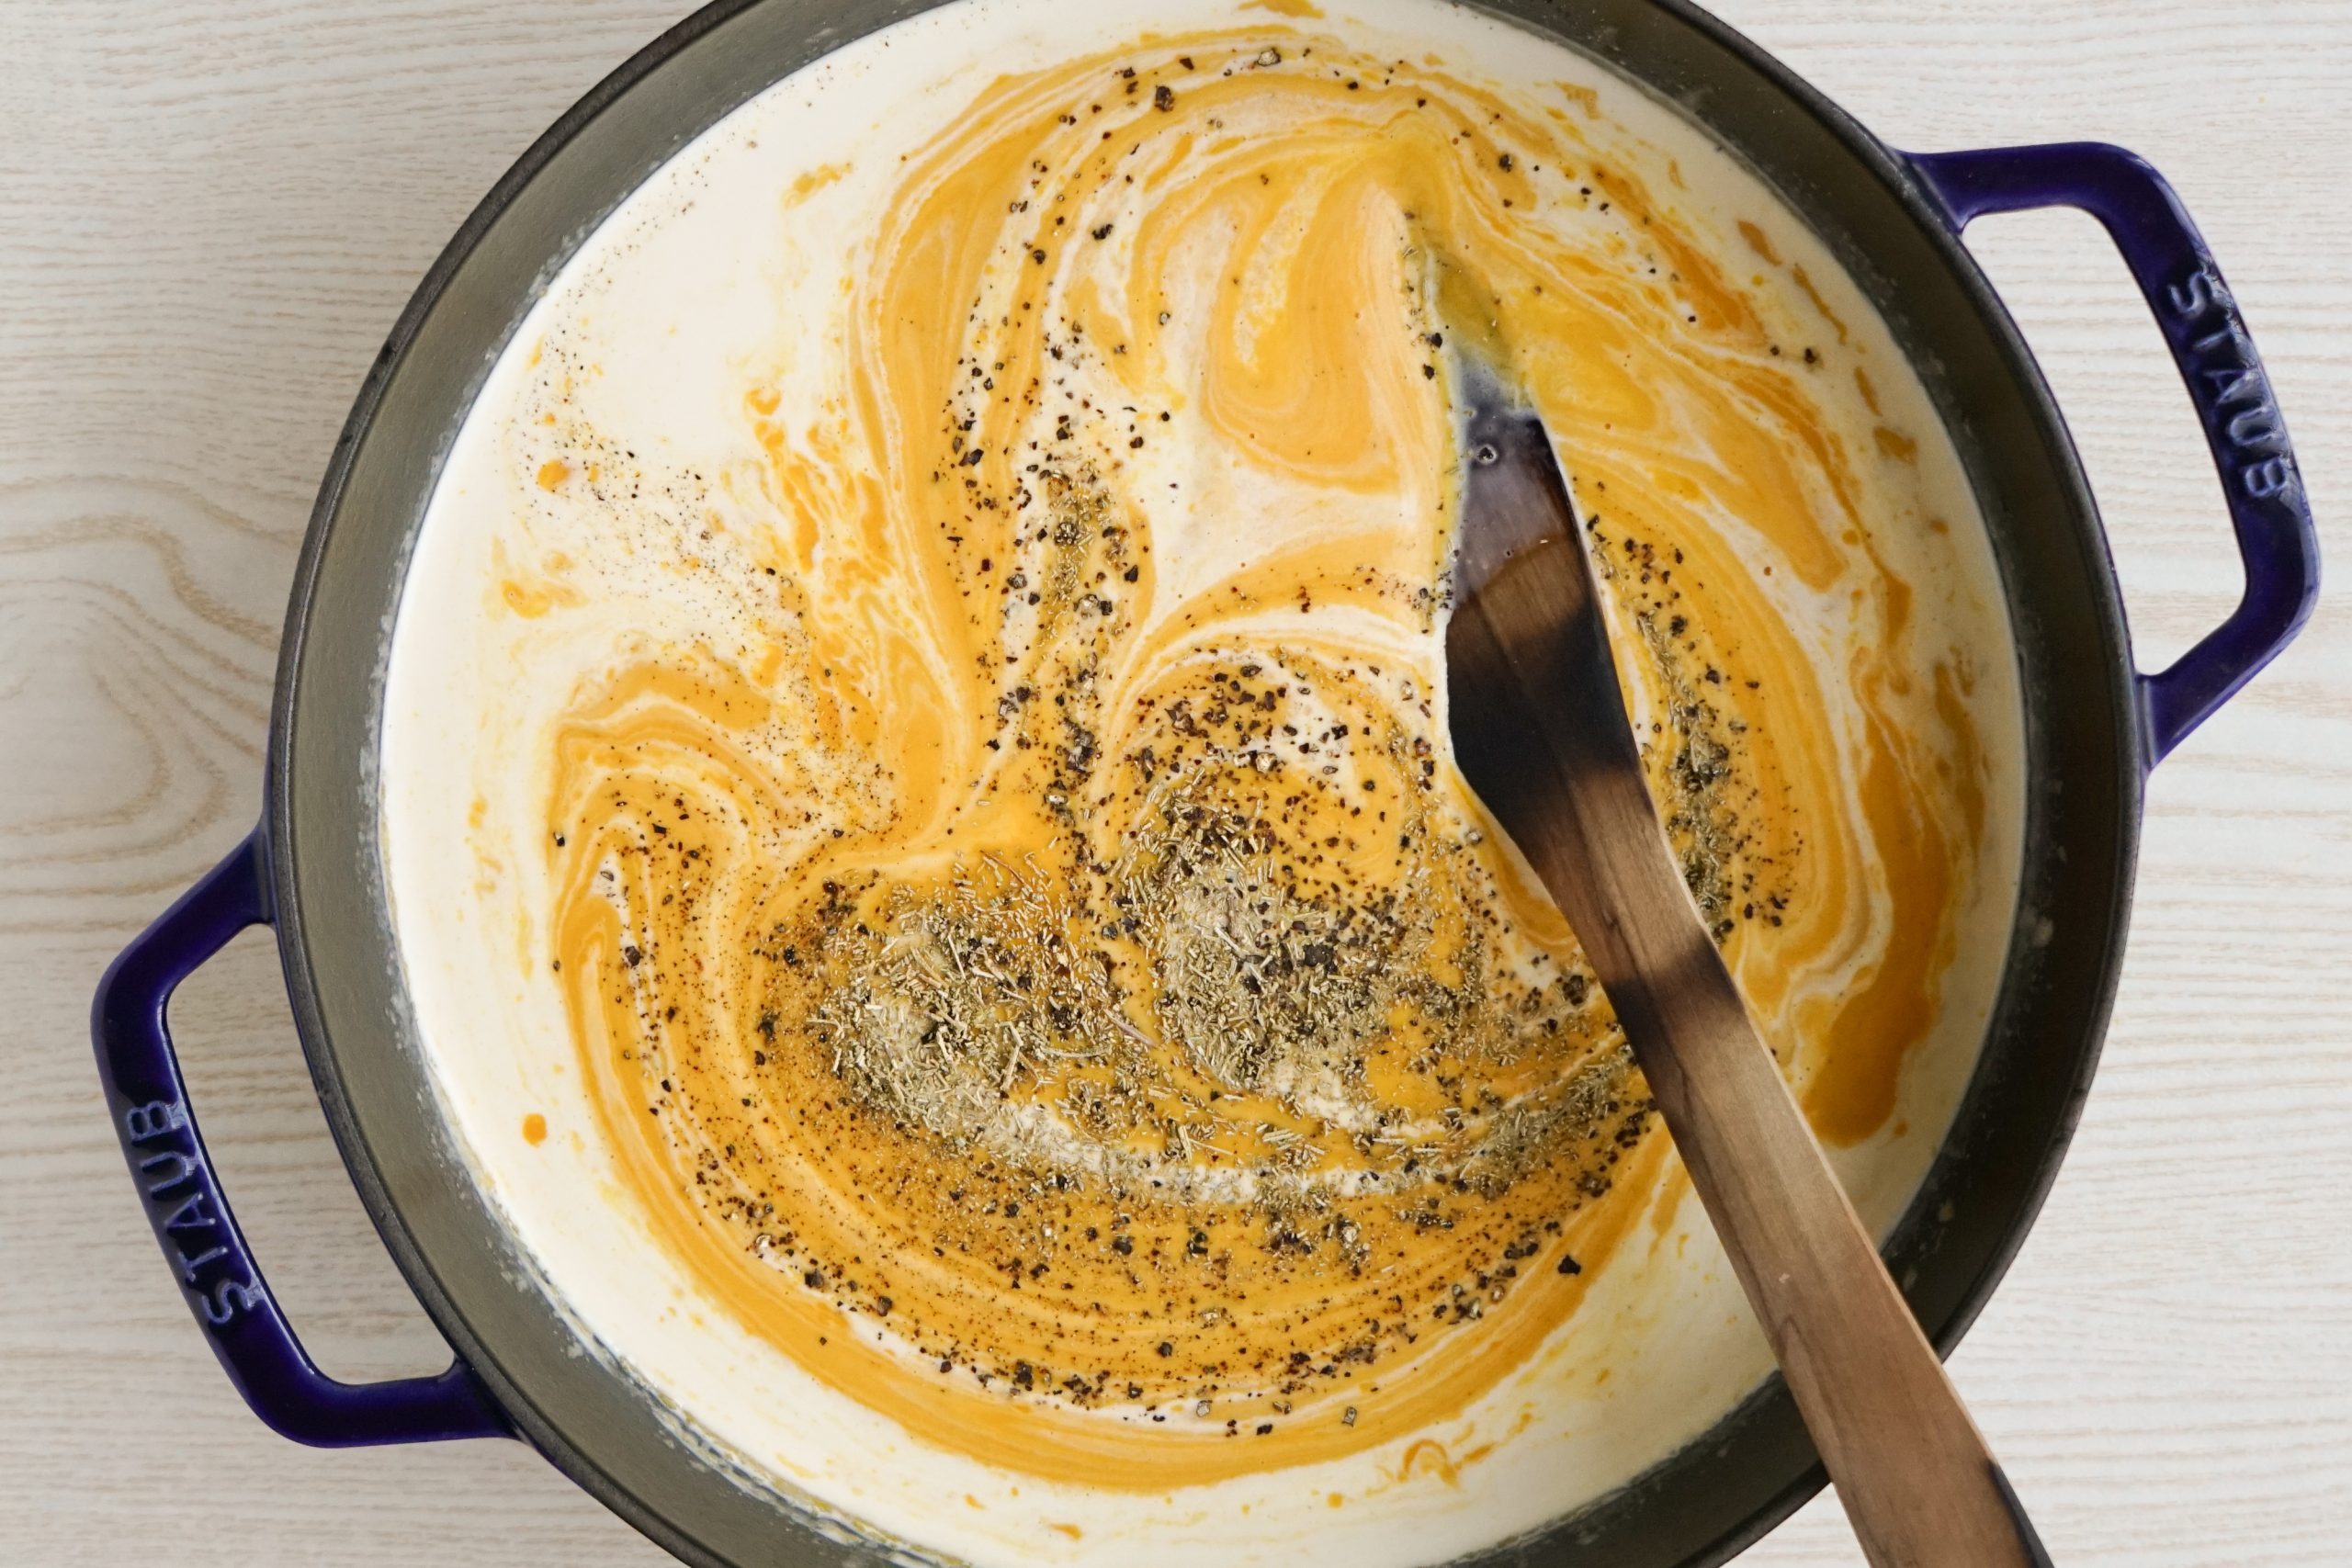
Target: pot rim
[(368, 1164)]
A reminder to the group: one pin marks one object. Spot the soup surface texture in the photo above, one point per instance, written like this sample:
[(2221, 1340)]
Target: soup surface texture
[(918, 804)]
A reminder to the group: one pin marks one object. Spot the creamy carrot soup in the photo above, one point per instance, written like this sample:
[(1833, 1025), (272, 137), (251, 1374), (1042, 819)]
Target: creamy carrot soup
[(918, 800)]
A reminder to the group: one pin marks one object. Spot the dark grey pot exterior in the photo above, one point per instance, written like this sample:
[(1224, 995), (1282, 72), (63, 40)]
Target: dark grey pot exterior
[(2084, 765)]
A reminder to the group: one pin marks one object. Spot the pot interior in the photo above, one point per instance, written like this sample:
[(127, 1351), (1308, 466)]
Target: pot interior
[(345, 975)]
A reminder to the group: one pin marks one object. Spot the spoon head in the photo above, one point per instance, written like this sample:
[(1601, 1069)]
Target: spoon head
[(1538, 719)]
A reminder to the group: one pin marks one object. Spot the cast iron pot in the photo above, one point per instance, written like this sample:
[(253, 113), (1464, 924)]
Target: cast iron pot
[(2094, 729)]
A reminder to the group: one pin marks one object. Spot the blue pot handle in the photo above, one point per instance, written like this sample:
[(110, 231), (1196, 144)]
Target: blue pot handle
[(2226, 383), (190, 1216)]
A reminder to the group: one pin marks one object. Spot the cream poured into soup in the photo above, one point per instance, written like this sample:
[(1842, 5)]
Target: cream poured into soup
[(919, 815)]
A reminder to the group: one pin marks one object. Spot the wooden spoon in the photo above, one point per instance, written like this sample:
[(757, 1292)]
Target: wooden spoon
[(1540, 731)]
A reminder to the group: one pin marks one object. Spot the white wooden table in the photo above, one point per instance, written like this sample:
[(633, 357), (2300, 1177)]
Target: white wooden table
[(210, 211)]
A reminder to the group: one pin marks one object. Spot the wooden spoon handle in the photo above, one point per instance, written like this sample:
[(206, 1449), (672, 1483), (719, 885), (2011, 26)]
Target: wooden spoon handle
[(1914, 1474), (1922, 1489)]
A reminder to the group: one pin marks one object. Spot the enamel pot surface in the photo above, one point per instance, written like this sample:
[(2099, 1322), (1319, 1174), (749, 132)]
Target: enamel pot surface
[(2094, 727)]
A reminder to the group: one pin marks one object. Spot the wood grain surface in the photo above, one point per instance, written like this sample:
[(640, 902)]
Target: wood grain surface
[(212, 210)]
